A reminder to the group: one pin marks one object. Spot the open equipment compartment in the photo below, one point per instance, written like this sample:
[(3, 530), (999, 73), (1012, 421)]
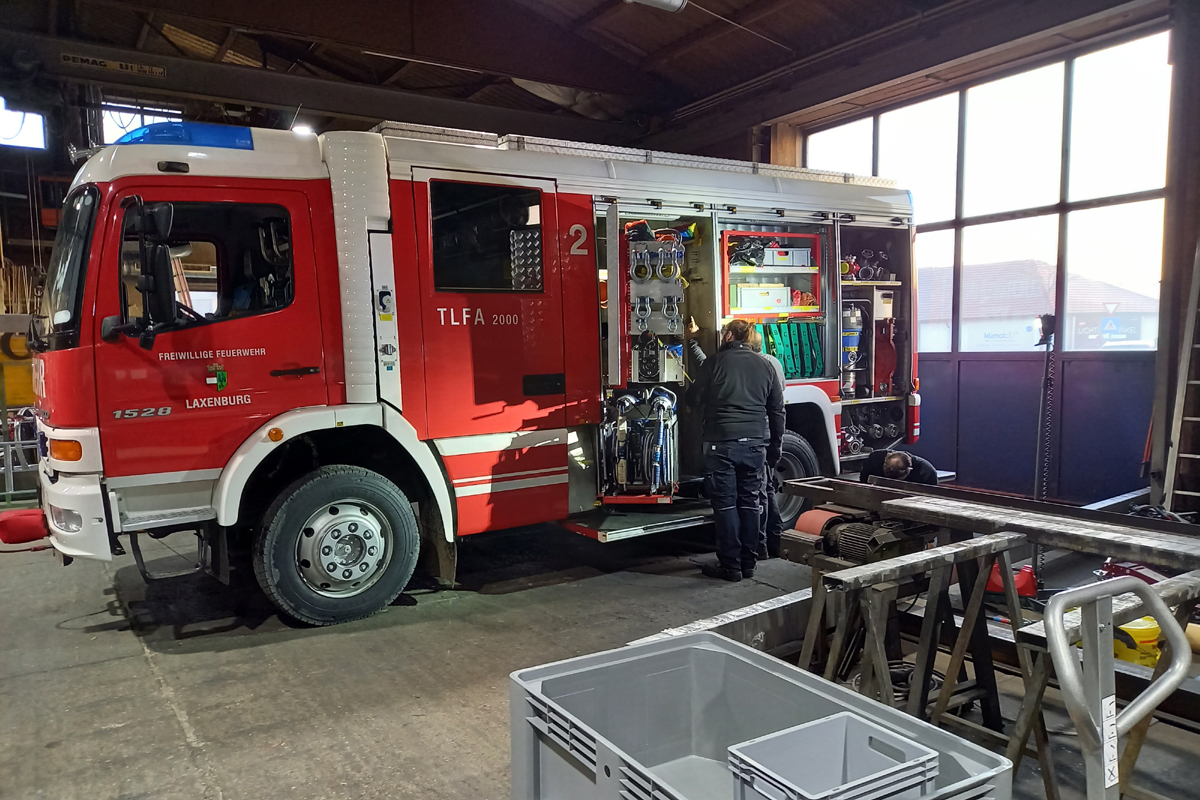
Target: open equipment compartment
[(656, 271), (877, 314)]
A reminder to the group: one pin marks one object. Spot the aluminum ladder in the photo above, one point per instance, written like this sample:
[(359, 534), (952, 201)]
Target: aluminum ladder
[(1183, 447)]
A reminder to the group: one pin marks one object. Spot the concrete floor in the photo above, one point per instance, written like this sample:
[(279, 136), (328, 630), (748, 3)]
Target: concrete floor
[(110, 688)]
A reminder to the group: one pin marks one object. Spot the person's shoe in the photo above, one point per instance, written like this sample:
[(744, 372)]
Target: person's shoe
[(747, 573), (763, 555), (724, 573)]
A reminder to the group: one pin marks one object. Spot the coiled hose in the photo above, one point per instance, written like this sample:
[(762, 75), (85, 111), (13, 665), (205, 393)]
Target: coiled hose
[(901, 674)]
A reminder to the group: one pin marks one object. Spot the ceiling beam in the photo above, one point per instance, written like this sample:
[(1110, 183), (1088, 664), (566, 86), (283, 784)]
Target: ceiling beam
[(297, 56), (223, 50), (938, 40), (144, 32), (396, 75), (499, 38), (715, 30), (148, 22), (83, 62)]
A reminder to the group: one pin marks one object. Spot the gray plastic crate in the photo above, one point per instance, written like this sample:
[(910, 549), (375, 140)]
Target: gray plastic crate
[(655, 721), (839, 757)]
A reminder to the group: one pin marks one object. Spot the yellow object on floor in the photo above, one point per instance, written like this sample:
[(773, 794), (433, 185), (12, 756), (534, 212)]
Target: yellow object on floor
[(1137, 642), (1193, 634)]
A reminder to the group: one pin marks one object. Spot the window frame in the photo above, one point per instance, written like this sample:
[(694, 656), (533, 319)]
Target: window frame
[(220, 247), (438, 287), (1062, 207)]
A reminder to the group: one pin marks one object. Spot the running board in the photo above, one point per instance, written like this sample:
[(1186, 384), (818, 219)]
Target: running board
[(606, 525)]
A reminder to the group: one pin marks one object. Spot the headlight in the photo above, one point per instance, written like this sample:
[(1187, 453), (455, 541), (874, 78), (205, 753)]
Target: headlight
[(65, 520), (66, 450)]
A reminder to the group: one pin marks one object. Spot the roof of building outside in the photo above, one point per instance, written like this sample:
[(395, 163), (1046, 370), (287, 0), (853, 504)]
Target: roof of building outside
[(1019, 289)]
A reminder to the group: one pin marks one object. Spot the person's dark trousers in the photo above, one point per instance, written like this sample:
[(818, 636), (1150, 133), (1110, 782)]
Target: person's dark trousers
[(771, 526), (733, 479)]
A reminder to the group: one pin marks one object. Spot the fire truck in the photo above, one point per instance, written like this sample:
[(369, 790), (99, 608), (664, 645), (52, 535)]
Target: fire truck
[(340, 354)]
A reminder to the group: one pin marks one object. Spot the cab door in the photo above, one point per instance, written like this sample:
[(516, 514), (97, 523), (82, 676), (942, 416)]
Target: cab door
[(491, 314), (249, 350)]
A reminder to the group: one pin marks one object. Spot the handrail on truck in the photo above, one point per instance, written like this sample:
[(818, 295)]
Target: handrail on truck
[(1088, 689)]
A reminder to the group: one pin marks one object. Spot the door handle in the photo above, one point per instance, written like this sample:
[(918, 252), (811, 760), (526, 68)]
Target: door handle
[(283, 373)]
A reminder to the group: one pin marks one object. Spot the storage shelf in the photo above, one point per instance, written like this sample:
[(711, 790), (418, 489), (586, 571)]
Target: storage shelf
[(861, 400), (846, 283), (772, 270), (759, 312)]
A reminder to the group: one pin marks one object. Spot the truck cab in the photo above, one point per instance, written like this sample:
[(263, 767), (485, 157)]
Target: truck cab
[(342, 353)]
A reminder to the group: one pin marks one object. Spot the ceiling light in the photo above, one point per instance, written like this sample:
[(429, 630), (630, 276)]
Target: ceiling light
[(303, 130), (665, 5)]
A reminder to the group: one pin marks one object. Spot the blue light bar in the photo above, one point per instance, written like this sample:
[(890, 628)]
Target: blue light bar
[(197, 134)]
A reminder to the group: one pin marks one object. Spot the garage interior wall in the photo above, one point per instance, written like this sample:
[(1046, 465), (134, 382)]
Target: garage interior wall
[(1040, 192)]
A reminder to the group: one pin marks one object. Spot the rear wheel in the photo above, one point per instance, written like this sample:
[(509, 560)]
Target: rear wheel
[(338, 544), (797, 460)]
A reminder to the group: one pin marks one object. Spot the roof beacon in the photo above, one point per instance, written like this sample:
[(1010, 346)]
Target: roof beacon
[(198, 134)]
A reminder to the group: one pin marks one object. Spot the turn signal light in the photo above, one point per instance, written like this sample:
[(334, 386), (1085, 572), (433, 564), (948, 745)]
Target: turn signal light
[(66, 450), (275, 434)]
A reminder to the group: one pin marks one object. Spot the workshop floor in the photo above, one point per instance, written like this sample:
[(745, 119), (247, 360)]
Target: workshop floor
[(110, 688)]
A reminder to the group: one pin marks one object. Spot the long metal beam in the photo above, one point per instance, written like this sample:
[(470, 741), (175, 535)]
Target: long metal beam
[(871, 497), (936, 41), (72, 60), (501, 38)]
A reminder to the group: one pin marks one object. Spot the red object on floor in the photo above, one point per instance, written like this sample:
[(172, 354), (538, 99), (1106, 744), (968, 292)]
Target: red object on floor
[(23, 525), (1025, 580)]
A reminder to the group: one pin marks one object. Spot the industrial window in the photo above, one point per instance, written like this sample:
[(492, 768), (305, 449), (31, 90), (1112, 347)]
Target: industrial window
[(1120, 104), (1008, 280), (846, 148), (918, 148), (230, 260), (21, 128), (486, 238), (935, 296), (1114, 262), (1014, 142), (1002, 222)]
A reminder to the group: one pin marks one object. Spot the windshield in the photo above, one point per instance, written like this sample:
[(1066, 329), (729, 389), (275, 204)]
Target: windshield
[(62, 298)]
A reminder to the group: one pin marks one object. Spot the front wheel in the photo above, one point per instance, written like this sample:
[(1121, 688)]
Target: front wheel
[(797, 460), (337, 545)]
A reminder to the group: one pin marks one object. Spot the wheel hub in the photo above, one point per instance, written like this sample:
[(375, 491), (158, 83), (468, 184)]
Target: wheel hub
[(343, 548)]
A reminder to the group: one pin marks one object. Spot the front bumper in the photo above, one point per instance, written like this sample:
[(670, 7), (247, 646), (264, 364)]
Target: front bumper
[(82, 495)]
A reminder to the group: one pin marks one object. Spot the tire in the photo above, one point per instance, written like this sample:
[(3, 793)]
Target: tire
[(329, 524), (798, 460)]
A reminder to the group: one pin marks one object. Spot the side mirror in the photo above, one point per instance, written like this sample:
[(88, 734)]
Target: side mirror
[(110, 328), (159, 295), (158, 220)]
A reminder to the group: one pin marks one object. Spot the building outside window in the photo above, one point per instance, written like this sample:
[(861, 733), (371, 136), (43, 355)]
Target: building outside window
[(1003, 222)]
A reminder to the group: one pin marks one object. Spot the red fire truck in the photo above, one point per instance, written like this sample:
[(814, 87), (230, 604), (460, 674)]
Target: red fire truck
[(341, 353)]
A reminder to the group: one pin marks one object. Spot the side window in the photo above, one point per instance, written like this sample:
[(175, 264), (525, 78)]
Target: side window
[(229, 260), (486, 238)]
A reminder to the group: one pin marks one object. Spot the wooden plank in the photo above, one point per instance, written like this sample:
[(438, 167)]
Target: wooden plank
[(1099, 538), (1183, 588), (931, 631), (896, 569), (959, 653)]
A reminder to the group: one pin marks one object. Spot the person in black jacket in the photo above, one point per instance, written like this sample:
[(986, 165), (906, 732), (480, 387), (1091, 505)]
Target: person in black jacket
[(897, 465), (737, 388)]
